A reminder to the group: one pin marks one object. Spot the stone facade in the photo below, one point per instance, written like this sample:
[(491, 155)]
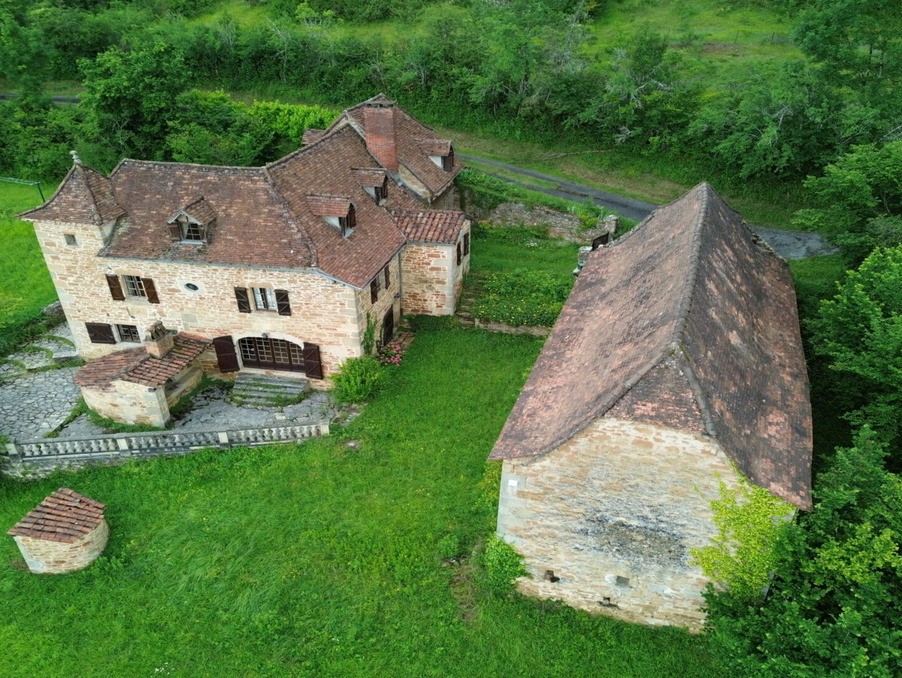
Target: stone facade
[(614, 513), (54, 557), (432, 277), (129, 403), (324, 311)]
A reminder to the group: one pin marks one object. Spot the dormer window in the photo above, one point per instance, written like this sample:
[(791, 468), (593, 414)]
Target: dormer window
[(337, 211), (374, 182), (192, 223), (440, 152)]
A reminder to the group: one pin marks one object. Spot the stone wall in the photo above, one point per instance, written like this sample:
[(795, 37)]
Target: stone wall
[(324, 311), (614, 512), (432, 277), (53, 557), (129, 403), (388, 299)]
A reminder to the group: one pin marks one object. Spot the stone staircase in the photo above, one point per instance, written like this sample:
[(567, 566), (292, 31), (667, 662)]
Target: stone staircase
[(468, 295), (258, 390)]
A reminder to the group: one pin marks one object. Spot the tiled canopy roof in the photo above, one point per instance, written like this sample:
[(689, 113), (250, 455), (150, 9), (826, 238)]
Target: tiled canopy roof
[(137, 366), (329, 205), (64, 516), (688, 322), (439, 226), (370, 177), (200, 210)]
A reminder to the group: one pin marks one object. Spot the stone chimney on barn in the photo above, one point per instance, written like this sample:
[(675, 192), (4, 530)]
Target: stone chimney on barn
[(159, 340), (381, 136)]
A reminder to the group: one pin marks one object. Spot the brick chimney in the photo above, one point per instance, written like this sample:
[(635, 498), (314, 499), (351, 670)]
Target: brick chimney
[(159, 340), (381, 137)]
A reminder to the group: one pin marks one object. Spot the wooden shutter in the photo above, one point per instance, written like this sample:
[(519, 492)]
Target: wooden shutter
[(100, 333), (466, 243), (175, 230), (115, 287), (244, 302), (313, 365), (387, 277), (150, 290), (225, 354), (374, 290), (459, 258), (282, 302)]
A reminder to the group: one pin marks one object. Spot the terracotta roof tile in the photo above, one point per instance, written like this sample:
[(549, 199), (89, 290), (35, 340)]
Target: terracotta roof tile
[(199, 209), (137, 366), (85, 196), (440, 226), (690, 322), (64, 516), (311, 136), (329, 205), (370, 177)]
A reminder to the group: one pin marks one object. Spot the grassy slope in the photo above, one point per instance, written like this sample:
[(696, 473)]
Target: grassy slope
[(319, 560), (25, 285)]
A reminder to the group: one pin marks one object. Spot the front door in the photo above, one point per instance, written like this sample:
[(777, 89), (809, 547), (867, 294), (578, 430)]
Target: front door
[(271, 354)]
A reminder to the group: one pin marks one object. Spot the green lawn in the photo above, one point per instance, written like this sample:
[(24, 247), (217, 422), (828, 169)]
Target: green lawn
[(25, 285), (319, 559)]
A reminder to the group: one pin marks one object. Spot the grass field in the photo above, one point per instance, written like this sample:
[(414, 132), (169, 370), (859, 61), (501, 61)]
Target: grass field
[(320, 559), (25, 285)]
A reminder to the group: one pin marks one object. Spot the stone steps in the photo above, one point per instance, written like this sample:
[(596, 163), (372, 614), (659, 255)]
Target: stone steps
[(259, 390)]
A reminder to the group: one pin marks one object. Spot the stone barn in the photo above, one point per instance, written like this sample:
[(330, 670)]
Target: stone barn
[(64, 533), (675, 364)]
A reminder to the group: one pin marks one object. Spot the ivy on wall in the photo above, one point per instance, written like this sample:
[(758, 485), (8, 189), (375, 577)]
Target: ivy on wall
[(742, 555)]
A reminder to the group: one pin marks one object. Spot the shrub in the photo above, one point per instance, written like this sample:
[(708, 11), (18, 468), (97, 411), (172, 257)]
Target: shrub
[(358, 379), (523, 297), (502, 566), (391, 353)]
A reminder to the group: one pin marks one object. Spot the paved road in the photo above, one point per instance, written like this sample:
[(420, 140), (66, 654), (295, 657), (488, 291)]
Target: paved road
[(788, 244)]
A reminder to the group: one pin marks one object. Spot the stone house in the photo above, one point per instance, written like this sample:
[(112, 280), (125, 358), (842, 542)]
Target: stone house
[(675, 365), (279, 268)]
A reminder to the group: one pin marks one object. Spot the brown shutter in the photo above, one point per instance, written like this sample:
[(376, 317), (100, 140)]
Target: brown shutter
[(175, 230), (374, 290), (458, 254), (225, 354), (387, 277), (100, 333), (282, 302), (115, 287), (150, 290), (313, 366), (244, 302), (466, 243)]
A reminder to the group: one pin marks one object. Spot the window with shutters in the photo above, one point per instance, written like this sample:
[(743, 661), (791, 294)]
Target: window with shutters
[(466, 244), (134, 286), (264, 298), (128, 333), (459, 256), (387, 278), (100, 333), (374, 290), (347, 223)]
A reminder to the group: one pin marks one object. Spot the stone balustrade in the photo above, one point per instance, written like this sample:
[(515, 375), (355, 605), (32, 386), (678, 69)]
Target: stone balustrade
[(51, 452)]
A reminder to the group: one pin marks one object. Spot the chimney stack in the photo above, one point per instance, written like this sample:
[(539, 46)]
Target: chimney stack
[(159, 340), (381, 138)]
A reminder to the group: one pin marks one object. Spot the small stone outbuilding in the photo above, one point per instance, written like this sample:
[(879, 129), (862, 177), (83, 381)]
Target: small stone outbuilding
[(64, 533), (676, 365)]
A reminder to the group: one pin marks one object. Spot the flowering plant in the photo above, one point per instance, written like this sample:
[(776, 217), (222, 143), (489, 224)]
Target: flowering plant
[(391, 353)]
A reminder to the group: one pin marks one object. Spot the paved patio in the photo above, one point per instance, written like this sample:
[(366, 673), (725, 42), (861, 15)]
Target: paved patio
[(35, 400)]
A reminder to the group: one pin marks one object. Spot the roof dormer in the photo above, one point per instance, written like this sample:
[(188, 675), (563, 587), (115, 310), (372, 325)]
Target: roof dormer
[(374, 182), (440, 151), (193, 223), (336, 210)]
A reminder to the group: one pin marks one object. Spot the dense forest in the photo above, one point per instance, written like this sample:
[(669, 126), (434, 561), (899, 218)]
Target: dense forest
[(812, 101)]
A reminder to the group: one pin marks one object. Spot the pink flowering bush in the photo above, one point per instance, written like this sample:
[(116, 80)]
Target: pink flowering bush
[(391, 353)]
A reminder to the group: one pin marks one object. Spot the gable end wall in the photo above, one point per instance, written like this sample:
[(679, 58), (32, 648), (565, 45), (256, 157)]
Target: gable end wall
[(614, 513)]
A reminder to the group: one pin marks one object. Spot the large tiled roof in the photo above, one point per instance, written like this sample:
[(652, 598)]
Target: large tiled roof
[(137, 366), (416, 142), (688, 322), (268, 217), (85, 196), (439, 226), (64, 516)]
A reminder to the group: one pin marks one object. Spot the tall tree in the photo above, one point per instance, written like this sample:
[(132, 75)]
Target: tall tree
[(130, 96)]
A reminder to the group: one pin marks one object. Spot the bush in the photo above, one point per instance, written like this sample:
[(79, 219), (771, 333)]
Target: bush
[(523, 297), (358, 379), (502, 566)]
